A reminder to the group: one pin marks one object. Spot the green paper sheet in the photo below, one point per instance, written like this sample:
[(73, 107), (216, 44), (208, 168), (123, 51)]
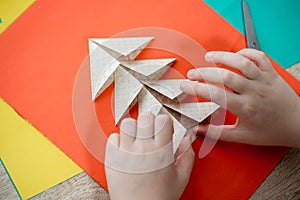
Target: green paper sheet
[(277, 25)]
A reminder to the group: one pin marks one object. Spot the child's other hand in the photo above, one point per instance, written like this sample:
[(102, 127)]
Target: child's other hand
[(268, 110), (139, 161)]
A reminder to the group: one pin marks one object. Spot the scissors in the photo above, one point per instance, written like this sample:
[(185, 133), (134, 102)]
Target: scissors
[(252, 41)]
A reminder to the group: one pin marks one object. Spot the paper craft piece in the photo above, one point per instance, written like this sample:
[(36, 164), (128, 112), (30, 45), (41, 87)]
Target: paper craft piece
[(277, 25), (129, 85), (150, 69), (187, 115), (107, 64), (45, 82), (11, 10), (179, 129), (186, 122), (32, 161), (148, 103), (104, 59), (102, 66), (126, 90), (123, 49), (179, 133), (181, 124), (169, 88), (196, 111)]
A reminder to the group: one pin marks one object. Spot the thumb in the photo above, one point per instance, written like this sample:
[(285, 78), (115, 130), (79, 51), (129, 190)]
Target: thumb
[(185, 160), (229, 133)]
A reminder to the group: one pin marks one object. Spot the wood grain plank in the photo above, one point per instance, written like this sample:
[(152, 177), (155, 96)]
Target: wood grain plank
[(7, 189)]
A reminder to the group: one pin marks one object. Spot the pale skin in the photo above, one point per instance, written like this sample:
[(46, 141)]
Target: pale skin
[(149, 134), (267, 111)]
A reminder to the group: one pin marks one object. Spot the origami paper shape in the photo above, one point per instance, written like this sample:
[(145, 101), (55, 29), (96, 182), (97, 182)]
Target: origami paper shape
[(169, 88), (149, 69), (126, 91), (111, 59), (148, 103), (196, 111), (179, 132), (104, 59)]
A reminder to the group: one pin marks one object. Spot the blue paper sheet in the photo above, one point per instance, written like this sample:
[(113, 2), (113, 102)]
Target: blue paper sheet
[(277, 25)]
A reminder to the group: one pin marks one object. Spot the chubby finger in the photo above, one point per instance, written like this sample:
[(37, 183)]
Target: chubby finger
[(259, 57), (220, 96), (127, 133), (228, 133), (163, 130), (145, 126), (185, 160), (236, 61), (222, 76), (113, 140)]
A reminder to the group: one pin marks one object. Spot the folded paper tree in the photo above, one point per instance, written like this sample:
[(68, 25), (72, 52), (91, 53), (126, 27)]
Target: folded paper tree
[(138, 81)]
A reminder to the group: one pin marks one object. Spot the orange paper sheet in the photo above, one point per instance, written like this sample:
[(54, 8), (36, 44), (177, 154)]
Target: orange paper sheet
[(43, 50)]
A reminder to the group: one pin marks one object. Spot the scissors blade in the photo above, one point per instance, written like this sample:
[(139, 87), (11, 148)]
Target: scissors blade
[(252, 41)]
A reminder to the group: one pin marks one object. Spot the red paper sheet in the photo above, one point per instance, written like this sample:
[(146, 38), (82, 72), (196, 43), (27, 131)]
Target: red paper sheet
[(43, 50)]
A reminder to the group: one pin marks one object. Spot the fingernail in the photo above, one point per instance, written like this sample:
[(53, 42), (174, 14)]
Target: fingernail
[(195, 129), (128, 127), (190, 73), (199, 129), (144, 119), (184, 85), (208, 57)]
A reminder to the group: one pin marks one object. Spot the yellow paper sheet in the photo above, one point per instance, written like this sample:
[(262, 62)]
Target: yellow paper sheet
[(32, 161), (10, 10)]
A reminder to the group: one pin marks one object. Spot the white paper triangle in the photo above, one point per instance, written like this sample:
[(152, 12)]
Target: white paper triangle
[(169, 87), (179, 133), (123, 47), (184, 120), (179, 130), (126, 90), (148, 103), (111, 52), (102, 66), (149, 66), (197, 111)]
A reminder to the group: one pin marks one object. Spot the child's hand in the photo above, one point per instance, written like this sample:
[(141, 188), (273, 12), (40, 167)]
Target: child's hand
[(139, 162), (268, 110)]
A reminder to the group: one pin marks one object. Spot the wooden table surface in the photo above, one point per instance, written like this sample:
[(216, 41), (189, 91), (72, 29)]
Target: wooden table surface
[(282, 183)]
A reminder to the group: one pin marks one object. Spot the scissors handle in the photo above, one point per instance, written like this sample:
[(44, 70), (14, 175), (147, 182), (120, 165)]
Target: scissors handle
[(252, 41)]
